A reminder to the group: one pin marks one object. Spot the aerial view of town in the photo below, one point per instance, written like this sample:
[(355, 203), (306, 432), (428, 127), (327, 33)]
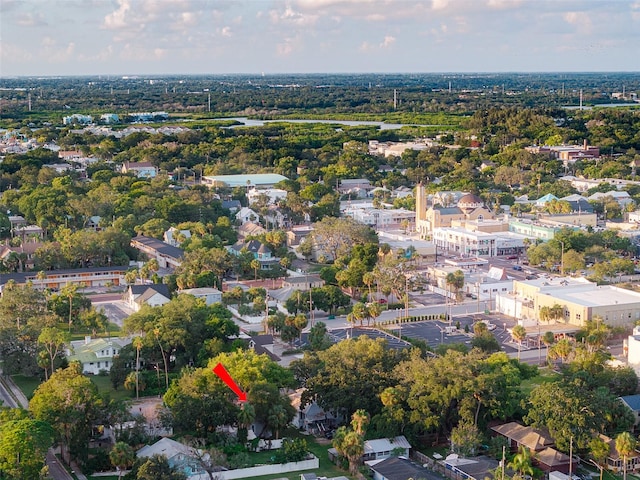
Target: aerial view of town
[(280, 257)]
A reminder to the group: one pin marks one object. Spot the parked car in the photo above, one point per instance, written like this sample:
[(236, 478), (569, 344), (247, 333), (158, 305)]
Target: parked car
[(512, 257), (517, 267)]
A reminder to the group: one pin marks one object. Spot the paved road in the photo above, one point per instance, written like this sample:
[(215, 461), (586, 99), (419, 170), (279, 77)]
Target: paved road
[(56, 471), (6, 399)]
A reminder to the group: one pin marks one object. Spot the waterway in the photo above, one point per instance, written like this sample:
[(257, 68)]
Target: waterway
[(249, 122)]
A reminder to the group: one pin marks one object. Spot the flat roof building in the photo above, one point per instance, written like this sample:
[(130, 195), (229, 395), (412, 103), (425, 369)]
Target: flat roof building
[(258, 180)]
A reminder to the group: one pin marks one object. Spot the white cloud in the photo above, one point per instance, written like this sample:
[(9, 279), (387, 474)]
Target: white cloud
[(226, 32), (31, 20), (118, 18), (388, 41)]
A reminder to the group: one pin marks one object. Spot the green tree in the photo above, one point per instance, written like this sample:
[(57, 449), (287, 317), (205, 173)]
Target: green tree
[(69, 402), (521, 462), (349, 375), (157, 468), (625, 445), (519, 334), (53, 341), (121, 456), (465, 438), (350, 445), (455, 282), (23, 448), (599, 451)]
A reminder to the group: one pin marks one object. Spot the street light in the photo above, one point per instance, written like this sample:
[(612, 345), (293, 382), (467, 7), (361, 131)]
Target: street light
[(561, 258)]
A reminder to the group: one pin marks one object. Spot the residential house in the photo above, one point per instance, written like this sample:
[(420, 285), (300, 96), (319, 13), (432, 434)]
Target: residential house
[(210, 295), (632, 402), (263, 345), (260, 252), (382, 448), (22, 257), (179, 456), (95, 355), (246, 215), (154, 295), (166, 255), (310, 417), (303, 282), (250, 230), (140, 169), (295, 235), (271, 195), (175, 237), (477, 468), (93, 223), (232, 205), (398, 468), (615, 460), (539, 442), (622, 197), (520, 436)]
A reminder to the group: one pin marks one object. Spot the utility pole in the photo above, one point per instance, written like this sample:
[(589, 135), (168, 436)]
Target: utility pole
[(503, 461), (570, 457)]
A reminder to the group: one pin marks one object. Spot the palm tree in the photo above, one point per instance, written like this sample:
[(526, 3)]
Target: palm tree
[(255, 264), (277, 418), (350, 445), (625, 445), (369, 279), (246, 417), (548, 339), (373, 311), (121, 456), (519, 333), (359, 420), (137, 343), (70, 290), (455, 282), (521, 462), (41, 276), (359, 312)]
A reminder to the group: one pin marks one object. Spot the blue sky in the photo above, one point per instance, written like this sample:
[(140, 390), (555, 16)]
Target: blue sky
[(155, 37)]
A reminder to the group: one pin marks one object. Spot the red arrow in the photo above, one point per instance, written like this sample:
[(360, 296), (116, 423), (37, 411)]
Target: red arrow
[(221, 372)]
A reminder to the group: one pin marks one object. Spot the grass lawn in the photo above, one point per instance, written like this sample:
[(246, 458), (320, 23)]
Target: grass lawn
[(325, 469), (27, 384), (545, 375), (103, 382)]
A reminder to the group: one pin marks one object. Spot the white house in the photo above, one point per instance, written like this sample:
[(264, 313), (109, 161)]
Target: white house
[(210, 295), (175, 237), (273, 195), (153, 295), (246, 215), (179, 456), (140, 169), (95, 355)]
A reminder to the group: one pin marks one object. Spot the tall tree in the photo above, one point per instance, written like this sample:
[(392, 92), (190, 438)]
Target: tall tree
[(625, 445), (69, 402), (23, 448), (121, 456)]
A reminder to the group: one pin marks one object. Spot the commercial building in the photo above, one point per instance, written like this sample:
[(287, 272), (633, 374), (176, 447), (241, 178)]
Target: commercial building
[(580, 299), (257, 180)]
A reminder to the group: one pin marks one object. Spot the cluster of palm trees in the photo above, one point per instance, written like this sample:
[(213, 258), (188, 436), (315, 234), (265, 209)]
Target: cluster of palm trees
[(364, 311), (349, 442)]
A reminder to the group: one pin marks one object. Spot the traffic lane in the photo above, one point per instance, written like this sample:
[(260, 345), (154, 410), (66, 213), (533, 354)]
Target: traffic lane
[(56, 471), (6, 399)]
